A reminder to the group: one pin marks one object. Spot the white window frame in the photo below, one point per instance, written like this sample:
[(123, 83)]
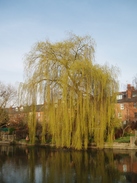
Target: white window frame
[(119, 115), (121, 106), (119, 97), (38, 114)]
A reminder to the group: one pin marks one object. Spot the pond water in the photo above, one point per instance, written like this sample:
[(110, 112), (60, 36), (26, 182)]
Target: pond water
[(48, 165)]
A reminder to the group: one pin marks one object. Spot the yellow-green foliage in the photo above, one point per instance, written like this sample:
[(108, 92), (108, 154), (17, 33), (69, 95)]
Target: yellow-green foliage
[(78, 95)]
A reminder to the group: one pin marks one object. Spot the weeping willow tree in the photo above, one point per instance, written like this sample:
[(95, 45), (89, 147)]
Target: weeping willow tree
[(78, 95)]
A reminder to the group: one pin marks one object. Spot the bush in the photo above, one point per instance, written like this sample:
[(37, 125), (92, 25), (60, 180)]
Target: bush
[(11, 130)]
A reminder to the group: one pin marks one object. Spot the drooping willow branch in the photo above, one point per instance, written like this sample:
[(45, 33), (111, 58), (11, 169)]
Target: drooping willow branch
[(78, 96)]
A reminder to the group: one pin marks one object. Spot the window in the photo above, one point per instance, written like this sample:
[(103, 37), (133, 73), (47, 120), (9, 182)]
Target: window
[(124, 168), (135, 105), (135, 114), (119, 115), (119, 97), (121, 106), (16, 109), (124, 122), (21, 108), (134, 95)]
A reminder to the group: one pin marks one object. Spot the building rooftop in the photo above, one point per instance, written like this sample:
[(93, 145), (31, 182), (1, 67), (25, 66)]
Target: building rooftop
[(130, 95)]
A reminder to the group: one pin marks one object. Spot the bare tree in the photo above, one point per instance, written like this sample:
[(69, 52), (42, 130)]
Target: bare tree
[(134, 82), (8, 97)]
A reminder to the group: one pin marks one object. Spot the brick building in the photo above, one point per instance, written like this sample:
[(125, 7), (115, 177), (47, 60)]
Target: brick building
[(126, 107), (18, 114)]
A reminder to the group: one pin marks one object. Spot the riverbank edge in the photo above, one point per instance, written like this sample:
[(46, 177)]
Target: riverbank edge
[(114, 145)]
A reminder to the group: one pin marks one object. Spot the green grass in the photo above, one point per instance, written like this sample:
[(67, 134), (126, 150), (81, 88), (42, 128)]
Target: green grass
[(123, 139)]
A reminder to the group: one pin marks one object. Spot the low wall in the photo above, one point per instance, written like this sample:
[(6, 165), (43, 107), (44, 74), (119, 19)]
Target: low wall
[(8, 137), (116, 145)]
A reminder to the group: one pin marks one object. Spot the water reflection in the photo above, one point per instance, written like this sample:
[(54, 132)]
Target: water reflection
[(44, 165)]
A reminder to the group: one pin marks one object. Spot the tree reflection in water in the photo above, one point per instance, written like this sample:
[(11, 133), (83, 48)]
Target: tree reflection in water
[(42, 164)]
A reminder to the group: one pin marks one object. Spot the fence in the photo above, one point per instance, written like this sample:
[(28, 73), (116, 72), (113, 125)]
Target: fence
[(7, 137)]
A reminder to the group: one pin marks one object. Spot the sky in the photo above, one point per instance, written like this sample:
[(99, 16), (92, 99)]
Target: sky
[(111, 23)]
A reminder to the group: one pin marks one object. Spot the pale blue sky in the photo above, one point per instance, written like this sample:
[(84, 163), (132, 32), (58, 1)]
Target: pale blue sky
[(111, 23)]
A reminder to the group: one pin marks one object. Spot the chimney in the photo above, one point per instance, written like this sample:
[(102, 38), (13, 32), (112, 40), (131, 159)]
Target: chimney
[(129, 90)]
